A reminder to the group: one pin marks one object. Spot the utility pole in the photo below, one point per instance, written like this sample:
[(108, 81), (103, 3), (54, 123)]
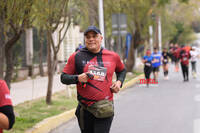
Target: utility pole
[(101, 21), (29, 50), (150, 37), (159, 34)]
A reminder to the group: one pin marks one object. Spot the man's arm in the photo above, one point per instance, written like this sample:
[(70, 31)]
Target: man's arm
[(7, 117), (121, 76), (74, 79), (68, 79), (115, 87)]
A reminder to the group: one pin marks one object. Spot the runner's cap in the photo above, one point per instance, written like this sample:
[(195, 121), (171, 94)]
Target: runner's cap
[(92, 28)]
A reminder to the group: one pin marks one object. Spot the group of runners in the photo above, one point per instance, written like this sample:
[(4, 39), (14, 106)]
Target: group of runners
[(175, 54)]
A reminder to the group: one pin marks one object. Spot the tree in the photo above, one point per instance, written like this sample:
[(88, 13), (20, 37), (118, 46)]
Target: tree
[(55, 16), (139, 17), (14, 18), (178, 29)]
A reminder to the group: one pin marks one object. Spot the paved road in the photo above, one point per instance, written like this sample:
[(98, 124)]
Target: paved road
[(172, 106)]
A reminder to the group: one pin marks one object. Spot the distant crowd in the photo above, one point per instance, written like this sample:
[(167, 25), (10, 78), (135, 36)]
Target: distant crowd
[(174, 54)]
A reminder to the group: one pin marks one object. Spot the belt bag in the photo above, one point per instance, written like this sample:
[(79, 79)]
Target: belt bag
[(102, 109)]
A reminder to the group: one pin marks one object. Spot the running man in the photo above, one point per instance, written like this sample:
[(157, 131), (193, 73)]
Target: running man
[(91, 69), (184, 57), (194, 56), (156, 63), (165, 61), (147, 60)]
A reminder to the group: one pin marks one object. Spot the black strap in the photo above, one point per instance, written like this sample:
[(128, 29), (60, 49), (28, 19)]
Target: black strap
[(99, 59), (88, 83), (85, 99)]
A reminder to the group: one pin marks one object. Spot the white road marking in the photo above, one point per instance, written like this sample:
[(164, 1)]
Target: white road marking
[(197, 86), (196, 126), (197, 98)]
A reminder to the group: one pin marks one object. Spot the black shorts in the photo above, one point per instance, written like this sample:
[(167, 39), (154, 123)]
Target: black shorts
[(176, 60), (90, 124), (156, 69)]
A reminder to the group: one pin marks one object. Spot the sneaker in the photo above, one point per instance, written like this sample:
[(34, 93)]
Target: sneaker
[(195, 75)]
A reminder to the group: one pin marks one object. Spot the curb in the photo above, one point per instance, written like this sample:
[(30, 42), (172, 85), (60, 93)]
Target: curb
[(51, 123), (132, 82)]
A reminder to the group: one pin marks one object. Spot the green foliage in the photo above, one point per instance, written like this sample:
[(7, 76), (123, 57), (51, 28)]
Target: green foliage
[(184, 1), (48, 14), (182, 34), (15, 13), (180, 29), (163, 2)]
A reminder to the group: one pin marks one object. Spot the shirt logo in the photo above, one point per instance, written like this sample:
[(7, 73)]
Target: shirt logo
[(7, 96)]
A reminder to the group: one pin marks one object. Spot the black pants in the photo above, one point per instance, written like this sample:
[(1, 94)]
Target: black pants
[(193, 66), (185, 71), (90, 124), (147, 72)]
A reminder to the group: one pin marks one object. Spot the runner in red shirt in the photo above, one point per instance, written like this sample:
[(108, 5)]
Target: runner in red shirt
[(7, 117), (184, 57), (176, 54), (91, 69)]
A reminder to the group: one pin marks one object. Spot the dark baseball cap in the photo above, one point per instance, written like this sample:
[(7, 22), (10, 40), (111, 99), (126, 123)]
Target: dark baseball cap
[(92, 28)]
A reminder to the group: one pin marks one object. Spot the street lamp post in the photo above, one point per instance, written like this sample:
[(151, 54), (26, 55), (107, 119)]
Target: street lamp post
[(101, 21), (159, 35), (151, 37)]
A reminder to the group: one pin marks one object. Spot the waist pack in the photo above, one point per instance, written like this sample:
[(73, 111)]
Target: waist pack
[(101, 109)]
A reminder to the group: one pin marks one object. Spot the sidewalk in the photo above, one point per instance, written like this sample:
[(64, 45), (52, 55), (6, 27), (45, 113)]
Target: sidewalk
[(33, 88)]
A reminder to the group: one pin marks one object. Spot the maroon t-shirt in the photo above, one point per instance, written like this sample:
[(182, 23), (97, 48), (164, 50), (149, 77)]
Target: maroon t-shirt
[(102, 65), (5, 98), (184, 56)]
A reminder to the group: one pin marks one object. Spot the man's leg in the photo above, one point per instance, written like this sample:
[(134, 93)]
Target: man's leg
[(102, 125), (187, 72), (183, 71), (85, 120)]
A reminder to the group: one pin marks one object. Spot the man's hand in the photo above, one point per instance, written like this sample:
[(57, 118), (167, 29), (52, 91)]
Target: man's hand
[(83, 78), (115, 87)]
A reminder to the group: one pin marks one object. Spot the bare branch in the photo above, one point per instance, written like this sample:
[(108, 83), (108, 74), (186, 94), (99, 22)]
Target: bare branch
[(51, 40), (13, 27), (60, 40)]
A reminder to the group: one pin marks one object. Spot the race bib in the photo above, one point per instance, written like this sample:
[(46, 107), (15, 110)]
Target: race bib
[(148, 64), (156, 60), (98, 72), (185, 58), (165, 60)]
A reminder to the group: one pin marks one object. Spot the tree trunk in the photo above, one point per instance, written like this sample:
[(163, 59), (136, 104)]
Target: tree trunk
[(2, 47), (52, 62), (41, 53), (131, 59), (1, 60), (50, 73), (9, 66), (131, 56), (8, 54)]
